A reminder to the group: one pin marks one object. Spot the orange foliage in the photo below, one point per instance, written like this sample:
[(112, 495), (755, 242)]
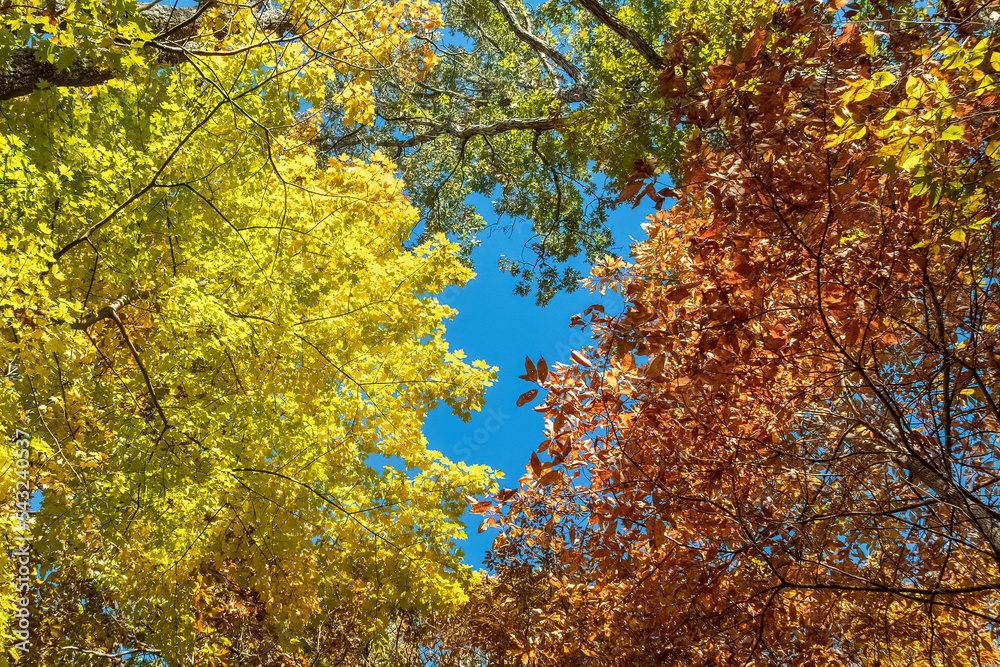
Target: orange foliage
[(785, 450)]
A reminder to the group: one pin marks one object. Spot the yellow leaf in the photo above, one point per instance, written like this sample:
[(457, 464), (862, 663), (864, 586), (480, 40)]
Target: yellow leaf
[(914, 86), (856, 132), (883, 79), (912, 159), (870, 42), (952, 133)]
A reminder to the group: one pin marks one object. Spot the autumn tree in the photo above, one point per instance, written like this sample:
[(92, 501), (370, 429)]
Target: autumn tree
[(539, 108), (524, 98), (784, 450), (74, 44), (222, 355)]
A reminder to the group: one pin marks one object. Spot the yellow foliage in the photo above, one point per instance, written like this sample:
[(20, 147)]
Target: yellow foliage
[(224, 354)]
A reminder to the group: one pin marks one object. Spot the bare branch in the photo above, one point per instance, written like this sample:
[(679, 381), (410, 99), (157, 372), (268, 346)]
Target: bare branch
[(135, 355), (451, 129), (121, 653)]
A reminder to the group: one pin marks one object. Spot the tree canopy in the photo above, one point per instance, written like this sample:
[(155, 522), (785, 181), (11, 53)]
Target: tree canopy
[(542, 109), (222, 353), (784, 450), (547, 105), (224, 229)]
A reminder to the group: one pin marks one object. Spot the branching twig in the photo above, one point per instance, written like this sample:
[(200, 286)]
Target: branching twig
[(135, 355), (86, 321)]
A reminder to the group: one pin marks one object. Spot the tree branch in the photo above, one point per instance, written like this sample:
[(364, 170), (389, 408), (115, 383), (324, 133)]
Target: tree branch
[(537, 44), (123, 652), (86, 321), (24, 72), (451, 129), (173, 26), (944, 487), (625, 32), (135, 355)]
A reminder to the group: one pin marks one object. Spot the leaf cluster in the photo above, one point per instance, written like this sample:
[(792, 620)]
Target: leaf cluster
[(784, 450)]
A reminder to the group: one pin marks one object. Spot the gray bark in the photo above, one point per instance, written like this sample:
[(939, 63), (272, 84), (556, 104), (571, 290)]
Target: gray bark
[(177, 31), (539, 45), (450, 129), (628, 34), (24, 73), (107, 312), (937, 480)]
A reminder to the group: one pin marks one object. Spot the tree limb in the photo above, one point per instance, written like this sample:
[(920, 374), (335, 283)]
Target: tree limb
[(24, 73), (537, 44), (123, 652), (135, 355), (174, 27), (625, 32), (451, 129), (86, 321), (943, 486)]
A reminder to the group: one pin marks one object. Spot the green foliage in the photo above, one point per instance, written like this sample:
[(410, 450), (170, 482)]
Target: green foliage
[(548, 133)]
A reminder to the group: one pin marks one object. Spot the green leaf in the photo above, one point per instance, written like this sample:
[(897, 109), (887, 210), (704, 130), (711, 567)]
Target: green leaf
[(952, 133)]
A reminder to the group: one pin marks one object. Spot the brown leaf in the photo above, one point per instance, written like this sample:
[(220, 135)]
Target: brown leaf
[(678, 294), (630, 190), (529, 371), (549, 477), (482, 507), (578, 357), (536, 464), (655, 367), (754, 45), (526, 396)]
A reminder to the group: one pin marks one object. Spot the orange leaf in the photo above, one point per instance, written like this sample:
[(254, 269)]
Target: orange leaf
[(678, 294), (754, 45), (548, 478)]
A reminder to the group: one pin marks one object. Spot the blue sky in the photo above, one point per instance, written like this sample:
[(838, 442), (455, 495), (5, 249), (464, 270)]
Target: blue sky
[(495, 325)]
